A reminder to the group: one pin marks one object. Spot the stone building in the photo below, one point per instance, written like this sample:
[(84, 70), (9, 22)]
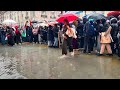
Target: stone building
[(22, 16)]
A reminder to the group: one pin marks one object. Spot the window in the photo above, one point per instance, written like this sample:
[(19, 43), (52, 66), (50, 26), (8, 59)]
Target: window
[(53, 15), (43, 14), (26, 17), (33, 13), (18, 18), (26, 13)]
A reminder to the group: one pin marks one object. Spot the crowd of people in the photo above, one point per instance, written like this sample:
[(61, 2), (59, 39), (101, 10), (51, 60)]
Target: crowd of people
[(83, 33), (93, 36)]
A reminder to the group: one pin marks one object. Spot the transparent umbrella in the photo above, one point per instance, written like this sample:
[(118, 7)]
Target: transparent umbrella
[(9, 22), (43, 24), (95, 16)]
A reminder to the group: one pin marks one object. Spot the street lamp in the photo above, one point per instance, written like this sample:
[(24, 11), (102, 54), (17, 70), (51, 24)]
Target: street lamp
[(85, 13)]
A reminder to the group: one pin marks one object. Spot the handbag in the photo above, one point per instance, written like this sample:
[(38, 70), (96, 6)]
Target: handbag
[(24, 33)]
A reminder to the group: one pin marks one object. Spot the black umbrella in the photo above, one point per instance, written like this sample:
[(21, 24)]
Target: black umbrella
[(110, 17), (113, 20), (95, 16)]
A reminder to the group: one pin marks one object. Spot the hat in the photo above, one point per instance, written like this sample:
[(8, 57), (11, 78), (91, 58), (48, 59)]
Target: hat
[(91, 19)]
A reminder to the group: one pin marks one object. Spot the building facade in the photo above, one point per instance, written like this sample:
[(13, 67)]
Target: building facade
[(22, 16)]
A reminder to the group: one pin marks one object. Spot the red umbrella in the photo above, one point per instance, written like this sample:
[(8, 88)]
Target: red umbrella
[(69, 17), (113, 13)]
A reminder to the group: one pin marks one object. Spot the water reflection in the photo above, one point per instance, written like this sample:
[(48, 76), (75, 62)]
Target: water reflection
[(41, 62)]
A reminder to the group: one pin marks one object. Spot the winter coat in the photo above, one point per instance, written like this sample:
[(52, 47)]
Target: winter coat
[(88, 29), (50, 35), (114, 30), (79, 30), (55, 31)]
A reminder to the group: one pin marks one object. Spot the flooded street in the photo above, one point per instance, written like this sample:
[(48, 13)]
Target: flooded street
[(40, 62)]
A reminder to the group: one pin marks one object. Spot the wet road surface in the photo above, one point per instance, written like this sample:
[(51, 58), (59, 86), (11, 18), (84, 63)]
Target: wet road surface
[(40, 62)]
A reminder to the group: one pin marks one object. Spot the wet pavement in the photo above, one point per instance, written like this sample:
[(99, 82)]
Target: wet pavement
[(40, 62)]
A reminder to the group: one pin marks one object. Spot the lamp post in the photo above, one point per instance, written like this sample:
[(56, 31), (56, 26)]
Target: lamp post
[(85, 13)]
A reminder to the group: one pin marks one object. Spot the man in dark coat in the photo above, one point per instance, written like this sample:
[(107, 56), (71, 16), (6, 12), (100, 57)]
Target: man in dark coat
[(118, 36), (80, 35), (2, 34), (114, 33), (10, 35), (89, 36), (55, 31), (50, 36)]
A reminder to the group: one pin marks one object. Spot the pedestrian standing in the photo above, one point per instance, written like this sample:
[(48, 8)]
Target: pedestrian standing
[(89, 34), (55, 31), (50, 36), (17, 35), (106, 38), (10, 36), (35, 34), (114, 32), (30, 34), (98, 30), (80, 36), (2, 34), (74, 41), (118, 36)]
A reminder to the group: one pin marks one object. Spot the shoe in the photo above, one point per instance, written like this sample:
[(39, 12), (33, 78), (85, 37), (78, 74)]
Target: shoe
[(72, 54), (99, 54), (63, 56), (84, 51), (89, 52), (109, 54)]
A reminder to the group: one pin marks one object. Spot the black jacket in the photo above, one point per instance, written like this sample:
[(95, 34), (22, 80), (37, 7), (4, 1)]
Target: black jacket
[(99, 28), (114, 30), (55, 30), (2, 31), (105, 27), (79, 30)]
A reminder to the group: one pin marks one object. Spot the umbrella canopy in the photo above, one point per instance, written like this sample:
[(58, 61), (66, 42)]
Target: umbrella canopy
[(110, 17), (34, 21), (74, 12), (9, 22), (52, 23), (95, 16), (113, 20), (69, 17), (43, 24), (113, 13)]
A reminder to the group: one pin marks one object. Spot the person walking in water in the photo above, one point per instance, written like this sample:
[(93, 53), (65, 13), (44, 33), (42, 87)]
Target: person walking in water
[(68, 36)]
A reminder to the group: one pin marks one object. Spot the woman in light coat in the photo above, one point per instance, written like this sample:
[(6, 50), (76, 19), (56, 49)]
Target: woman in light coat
[(105, 38)]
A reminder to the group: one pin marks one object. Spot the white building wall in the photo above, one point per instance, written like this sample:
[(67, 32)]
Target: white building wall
[(19, 16)]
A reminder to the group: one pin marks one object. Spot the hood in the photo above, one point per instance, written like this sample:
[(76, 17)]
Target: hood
[(16, 27)]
